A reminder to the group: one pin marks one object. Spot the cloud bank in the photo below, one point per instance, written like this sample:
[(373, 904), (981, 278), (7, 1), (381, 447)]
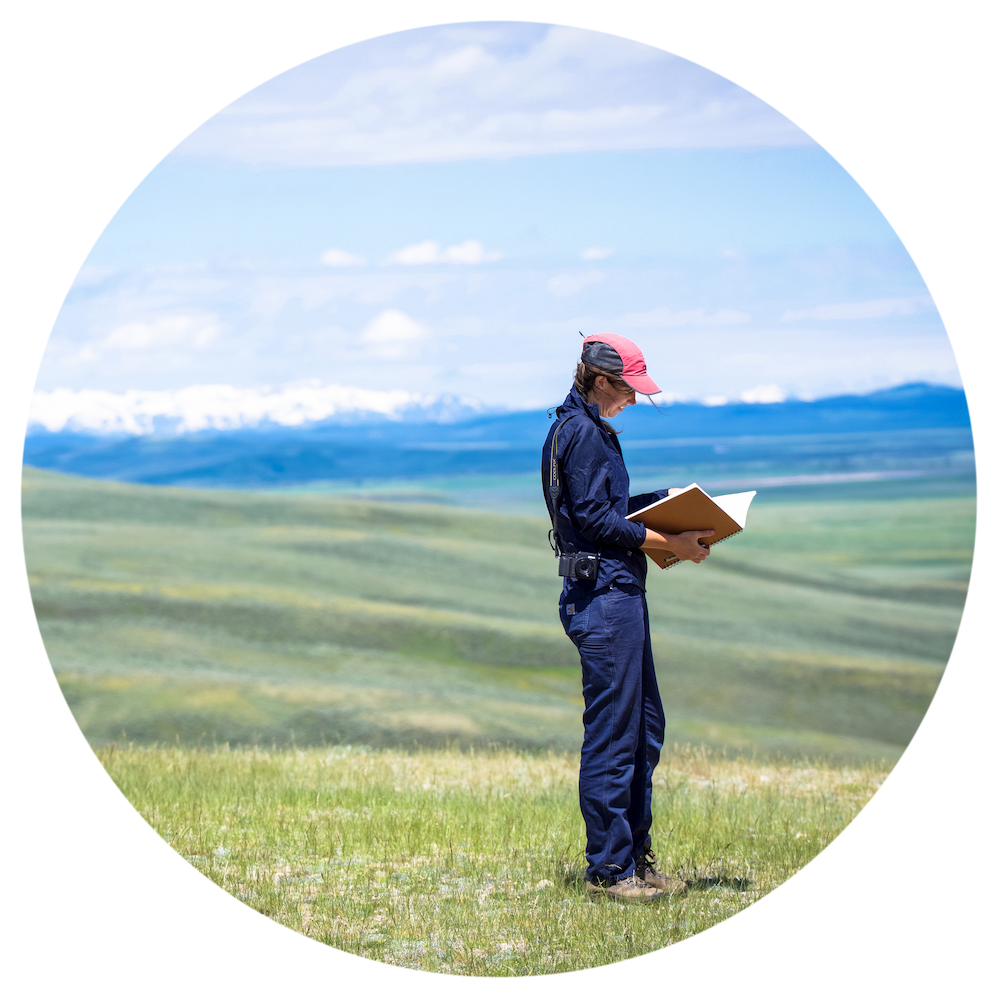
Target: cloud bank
[(341, 258), (666, 318), (490, 90), (879, 308), (430, 251)]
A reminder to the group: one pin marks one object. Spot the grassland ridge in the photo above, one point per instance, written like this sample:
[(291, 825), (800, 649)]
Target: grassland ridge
[(262, 619)]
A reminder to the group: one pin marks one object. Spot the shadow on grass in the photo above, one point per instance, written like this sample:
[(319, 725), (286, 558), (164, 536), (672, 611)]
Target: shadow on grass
[(706, 881)]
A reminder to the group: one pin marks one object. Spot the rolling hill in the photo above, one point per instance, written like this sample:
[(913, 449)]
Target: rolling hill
[(247, 617)]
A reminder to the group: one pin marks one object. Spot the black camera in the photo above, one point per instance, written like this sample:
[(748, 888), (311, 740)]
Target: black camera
[(578, 566)]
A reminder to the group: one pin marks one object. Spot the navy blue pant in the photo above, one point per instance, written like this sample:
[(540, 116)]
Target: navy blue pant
[(622, 725)]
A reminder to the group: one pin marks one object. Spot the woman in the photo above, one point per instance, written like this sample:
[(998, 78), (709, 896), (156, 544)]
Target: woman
[(603, 610)]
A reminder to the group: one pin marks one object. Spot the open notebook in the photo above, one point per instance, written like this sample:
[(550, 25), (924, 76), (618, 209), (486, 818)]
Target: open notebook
[(694, 509)]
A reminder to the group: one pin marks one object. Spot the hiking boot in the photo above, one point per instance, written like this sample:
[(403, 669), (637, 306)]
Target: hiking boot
[(626, 889), (646, 873)]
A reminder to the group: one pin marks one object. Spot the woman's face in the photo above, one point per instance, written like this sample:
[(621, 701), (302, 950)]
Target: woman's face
[(611, 397)]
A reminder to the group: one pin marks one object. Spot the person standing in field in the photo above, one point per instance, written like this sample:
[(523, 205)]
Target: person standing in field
[(603, 611)]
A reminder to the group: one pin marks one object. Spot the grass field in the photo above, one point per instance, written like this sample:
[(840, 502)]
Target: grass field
[(245, 618), (472, 863), (363, 719)]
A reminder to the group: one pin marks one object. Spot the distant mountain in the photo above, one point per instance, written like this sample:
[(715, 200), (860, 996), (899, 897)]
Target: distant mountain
[(906, 407), (380, 446), (225, 407)]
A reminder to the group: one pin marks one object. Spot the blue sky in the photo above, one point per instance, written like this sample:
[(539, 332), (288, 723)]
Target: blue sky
[(442, 210)]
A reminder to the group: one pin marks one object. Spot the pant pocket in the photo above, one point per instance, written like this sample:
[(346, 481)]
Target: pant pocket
[(575, 619)]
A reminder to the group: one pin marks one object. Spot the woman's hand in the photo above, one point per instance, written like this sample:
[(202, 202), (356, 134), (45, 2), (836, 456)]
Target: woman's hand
[(687, 546)]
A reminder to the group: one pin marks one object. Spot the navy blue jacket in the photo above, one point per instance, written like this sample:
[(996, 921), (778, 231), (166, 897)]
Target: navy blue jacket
[(594, 501)]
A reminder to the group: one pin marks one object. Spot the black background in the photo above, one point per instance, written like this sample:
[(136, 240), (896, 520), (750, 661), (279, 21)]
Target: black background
[(99, 99)]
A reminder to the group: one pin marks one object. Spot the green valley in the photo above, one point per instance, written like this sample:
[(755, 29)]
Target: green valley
[(211, 617)]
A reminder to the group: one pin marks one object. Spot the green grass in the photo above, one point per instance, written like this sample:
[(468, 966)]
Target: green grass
[(363, 719), (249, 618), (472, 863)]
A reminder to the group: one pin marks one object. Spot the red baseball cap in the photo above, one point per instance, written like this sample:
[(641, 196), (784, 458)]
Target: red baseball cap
[(619, 356)]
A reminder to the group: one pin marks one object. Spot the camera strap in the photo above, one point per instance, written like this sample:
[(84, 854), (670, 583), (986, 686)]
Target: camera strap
[(577, 565), (554, 487)]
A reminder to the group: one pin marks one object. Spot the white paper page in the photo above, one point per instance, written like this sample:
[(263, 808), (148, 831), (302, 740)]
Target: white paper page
[(736, 505)]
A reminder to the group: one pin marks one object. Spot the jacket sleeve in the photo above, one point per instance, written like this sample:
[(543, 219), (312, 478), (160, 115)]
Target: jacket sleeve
[(588, 494)]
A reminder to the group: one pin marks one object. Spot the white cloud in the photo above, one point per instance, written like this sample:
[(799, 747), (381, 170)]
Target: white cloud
[(563, 285), (429, 251), (596, 253), (171, 331), (392, 326), (210, 407), (764, 394), (471, 251), (714, 400), (471, 91), (391, 333), (425, 252), (878, 308), (341, 258), (662, 317)]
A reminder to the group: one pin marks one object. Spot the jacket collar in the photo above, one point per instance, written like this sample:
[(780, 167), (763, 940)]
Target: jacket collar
[(576, 403)]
